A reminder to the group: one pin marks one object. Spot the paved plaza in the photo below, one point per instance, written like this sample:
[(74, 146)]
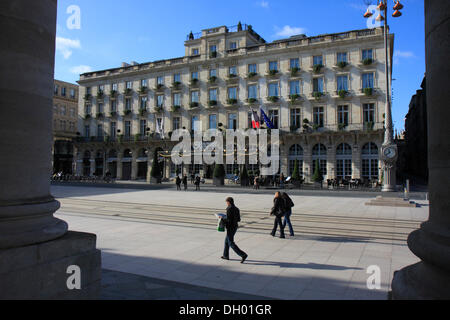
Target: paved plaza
[(170, 239)]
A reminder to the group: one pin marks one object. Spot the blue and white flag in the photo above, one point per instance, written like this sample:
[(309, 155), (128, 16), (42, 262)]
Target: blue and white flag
[(267, 120)]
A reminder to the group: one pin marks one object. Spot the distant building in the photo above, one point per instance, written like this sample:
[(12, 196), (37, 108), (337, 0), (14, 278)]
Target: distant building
[(416, 136), (65, 122)]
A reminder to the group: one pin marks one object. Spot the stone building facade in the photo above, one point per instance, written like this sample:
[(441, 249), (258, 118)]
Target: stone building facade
[(65, 125), (325, 93)]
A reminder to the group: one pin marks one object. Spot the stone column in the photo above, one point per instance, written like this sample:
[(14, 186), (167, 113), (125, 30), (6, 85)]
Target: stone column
[(35, 247), (356, 162), (430, 278), (331, 163), (307, 164)]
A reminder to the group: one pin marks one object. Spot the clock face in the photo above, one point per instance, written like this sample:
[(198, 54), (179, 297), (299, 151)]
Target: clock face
[(389, 153)]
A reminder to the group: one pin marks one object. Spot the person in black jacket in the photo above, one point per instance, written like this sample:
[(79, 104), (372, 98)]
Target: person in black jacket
[(185, 182), (231, 225), (288, 212), (178, 182), (278, 211)]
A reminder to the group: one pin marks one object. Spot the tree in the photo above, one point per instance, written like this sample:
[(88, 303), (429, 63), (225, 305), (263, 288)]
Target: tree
[(156, 171), (296, 173), (244, 173), (317, 177)]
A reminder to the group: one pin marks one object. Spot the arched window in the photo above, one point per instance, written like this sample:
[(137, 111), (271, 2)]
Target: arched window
[(295, 153), (344, 161), (319, 153), (142, 153), (112, 154), (369, 161)]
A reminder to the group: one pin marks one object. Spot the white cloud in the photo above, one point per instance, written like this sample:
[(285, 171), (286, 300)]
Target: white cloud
[(404, 54), (264, 4), (80, 69), (288, 31), (65, 46)]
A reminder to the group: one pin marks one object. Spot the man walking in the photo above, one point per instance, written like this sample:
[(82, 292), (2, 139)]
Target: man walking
[(231, 225), (197, 183), (185, 182), (178, 182)]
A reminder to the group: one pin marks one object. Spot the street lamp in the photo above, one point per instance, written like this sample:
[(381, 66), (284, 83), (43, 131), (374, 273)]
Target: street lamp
[(389, 151)]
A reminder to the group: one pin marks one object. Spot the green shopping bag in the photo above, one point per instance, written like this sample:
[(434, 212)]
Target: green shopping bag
[(221, 222)]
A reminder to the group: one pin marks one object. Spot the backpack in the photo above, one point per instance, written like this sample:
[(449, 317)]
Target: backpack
[(288, 203), (238, 215)]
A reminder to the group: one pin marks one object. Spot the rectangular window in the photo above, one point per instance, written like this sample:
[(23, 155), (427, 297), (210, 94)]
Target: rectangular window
[(367, 80), (143, 103), (318, 116), (273, 116), (249, 120), (72, 112), (296, 118), (368, 112), (195, 52), (87, 109), (195, 123), (213, 73), (113, 106), (127, 129), (177, 77), (128, 104), (87, 131), (273, 90), (273, 66), (160, 80), (100, 108), (177, 99), (232, 93), (318, 85), (114, 87), (294, 87), (113, 129), (176, 123), (88, 90), (317, 60), (343, 115), (294, 63), (252, 68), (63, 91), (72, 93), (195, 96), (232, 121), (99, 130), (342, 83), (160, 100), (101, 88), (344, 168), (341, 57), (56, 89), (213, 48), (63, 110), (213, 121), (233, 45), (129, 85), (213, 95), (367, 54), (253, 91), (233, 71), (194, 75), (143, 127), (143, 82)]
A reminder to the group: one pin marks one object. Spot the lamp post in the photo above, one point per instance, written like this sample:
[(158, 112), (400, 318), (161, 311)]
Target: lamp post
[(389, 151)]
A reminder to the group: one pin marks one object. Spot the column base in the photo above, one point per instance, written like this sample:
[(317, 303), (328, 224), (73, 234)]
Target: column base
[(421, 281), (39, 272)]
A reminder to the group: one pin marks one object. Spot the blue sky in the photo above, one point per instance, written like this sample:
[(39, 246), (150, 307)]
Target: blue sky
[(116, 31)]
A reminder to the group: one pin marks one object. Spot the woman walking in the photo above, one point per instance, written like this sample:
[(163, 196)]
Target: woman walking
[(288, 203), (278, 211)]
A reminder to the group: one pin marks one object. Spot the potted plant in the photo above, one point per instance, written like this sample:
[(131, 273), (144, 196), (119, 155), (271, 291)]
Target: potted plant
[(232, 76), (315, 126), (212, 103), (342, 93), (367, 61), (342, 126), (99, 115), (317, 177), (87, 96), (273, 72), (231, 101), (143, 90), (296, 179), (219, 175), (120, 138), (342, 64), (212, 79), (159, 86), (176, 84), (194, 82), (294, 97), (142, 111), (87, 116), (126, 112), (244, 177), (273, 98), (305, 125), (113, 113), (252, 100), (293, 128), (317, 68), (127, 91), (294, 71), (99, 94), (106, 138), (158, 109), (137, 137), (369, 125), (368, 91), (252, 74), (193, 105), (112, 93), (317, 95), (213, 54), (176, 108)]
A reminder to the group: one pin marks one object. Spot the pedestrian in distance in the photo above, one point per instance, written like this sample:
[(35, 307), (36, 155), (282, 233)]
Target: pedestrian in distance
[(178, 182), (278, 211), (185, 182), (197, 183), (231, 225), (288, 204)]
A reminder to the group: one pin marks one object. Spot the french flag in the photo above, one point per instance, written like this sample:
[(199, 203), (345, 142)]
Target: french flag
[(255, 120)]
